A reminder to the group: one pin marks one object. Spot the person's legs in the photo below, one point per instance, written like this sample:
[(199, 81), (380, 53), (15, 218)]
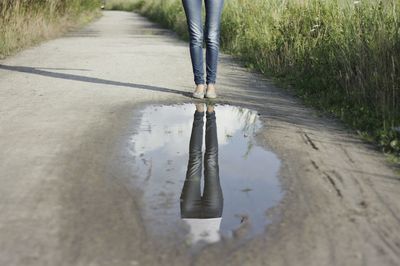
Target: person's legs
[(195, 27), (191, 196), (212, 195), (212, 33)]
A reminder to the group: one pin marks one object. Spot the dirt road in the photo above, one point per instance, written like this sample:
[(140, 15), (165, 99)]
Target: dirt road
[(66, 104)]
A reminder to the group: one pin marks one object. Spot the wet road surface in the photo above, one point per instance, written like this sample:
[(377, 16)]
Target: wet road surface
[(160, 153)]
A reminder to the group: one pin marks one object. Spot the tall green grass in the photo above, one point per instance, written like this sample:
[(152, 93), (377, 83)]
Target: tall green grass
[(26, 22), (341, 56)]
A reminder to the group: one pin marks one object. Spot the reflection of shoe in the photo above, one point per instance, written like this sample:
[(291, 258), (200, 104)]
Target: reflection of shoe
[(200, 107)]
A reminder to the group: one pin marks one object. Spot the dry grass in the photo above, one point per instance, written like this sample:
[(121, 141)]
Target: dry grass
[(26, 22)]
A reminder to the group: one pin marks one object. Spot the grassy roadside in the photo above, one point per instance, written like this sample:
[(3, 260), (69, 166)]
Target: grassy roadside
[(125, 5), (340, 56), (24, 23)]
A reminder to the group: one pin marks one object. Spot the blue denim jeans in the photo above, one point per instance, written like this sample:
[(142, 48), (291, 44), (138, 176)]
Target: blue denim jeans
[(213, 10)]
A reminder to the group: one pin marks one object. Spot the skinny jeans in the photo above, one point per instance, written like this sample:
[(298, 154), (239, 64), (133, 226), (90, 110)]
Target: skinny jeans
[(211, 36)]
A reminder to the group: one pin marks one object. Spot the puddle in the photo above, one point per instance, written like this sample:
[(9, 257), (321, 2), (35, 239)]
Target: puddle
[(248, 183)]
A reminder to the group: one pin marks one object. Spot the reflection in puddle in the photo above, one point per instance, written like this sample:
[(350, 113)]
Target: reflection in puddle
[(202, 211), (202, 173)]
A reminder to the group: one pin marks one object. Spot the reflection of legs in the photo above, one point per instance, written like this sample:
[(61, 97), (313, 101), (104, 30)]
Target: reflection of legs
[(212, 196), (191, 196)]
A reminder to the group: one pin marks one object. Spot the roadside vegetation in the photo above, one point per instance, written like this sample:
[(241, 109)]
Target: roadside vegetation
[(26, 22), (126, 5), (340, 56)]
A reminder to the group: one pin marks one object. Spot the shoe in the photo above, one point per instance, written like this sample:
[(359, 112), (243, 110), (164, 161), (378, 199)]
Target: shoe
[(211, 95), (198, 95)]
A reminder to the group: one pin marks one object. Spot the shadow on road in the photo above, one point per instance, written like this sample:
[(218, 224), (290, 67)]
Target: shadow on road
[(36, 71)]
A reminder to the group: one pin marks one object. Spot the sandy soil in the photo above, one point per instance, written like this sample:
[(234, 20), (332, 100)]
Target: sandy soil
[(66, 107)]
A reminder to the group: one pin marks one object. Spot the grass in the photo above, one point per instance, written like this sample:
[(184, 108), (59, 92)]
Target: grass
[(126, 5), (340, 56), (24, 23)]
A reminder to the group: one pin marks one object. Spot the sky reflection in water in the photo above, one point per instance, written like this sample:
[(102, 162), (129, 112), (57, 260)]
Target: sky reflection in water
[(247, 171)]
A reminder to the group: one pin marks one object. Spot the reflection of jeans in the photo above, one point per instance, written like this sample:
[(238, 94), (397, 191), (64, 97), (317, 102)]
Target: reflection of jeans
[(210, 205), (211, 32)]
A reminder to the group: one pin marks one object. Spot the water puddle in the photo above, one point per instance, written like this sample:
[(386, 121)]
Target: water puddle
[(203, 175)]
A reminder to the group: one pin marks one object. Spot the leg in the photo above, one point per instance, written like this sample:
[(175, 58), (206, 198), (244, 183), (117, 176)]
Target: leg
[(195, 27), (212, 196), (191, 196), (212, 33)]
